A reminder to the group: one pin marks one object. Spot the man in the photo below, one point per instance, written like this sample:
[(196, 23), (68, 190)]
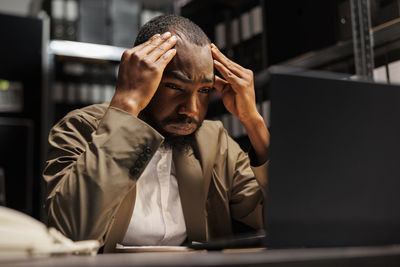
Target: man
[(146, 169)]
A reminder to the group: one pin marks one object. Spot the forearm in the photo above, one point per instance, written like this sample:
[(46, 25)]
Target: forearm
[(82, 209), (259, 136), (248, 191), (125, 100)]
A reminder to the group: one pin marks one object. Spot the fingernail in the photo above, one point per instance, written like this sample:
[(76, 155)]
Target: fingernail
[(173, 38), (166, 34)]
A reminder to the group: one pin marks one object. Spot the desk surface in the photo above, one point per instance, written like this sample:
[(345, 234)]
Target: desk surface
[(352, 256)]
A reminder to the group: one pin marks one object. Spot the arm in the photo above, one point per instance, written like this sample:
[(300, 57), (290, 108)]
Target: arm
[(237, 89), (247, 189), (249, 183), (89, 170), (92, 166)]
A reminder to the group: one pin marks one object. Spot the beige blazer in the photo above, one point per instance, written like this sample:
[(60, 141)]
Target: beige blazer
[(97, 154)]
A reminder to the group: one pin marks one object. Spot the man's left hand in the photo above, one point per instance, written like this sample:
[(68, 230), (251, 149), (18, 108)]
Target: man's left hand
[(238, 96), (237, 87)]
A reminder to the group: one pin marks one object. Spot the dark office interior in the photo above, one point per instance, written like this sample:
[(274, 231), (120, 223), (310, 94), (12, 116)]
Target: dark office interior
[(61, 55)]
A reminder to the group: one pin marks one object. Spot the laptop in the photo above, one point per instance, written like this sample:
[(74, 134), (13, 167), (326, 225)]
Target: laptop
[(334, 176)]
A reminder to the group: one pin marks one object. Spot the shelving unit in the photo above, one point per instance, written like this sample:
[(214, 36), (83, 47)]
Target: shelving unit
[(252, 33), (54, 77), (89, 37), (23, 112), (81, 74), (257, 34), (339, 57), (305, 34)]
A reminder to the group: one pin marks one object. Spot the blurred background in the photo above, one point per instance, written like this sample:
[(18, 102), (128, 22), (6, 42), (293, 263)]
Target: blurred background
[(59, 55)]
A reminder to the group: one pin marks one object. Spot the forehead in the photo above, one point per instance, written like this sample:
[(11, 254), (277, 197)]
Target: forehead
[(192, 61)]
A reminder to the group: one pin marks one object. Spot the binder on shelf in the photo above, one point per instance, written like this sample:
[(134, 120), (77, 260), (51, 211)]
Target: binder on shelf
[(11, 96), (257, 20), (235, 33), (71, 18), (57, 15), (58, 92), (84, 93), (96, 93), (220, 35), (71, 94), (108, 92), (245, 26)]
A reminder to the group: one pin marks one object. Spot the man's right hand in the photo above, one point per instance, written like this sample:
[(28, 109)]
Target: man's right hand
[(140, 72)]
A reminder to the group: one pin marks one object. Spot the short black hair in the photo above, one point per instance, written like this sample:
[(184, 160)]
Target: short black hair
[(178, 24)]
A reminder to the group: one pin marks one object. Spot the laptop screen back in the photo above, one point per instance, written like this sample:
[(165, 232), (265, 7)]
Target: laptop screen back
[(334, 177)]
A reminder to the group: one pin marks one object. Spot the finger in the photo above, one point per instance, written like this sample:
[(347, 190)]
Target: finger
[(232, 66), (229, 76), (130, 51), (155, 43), (162, 48), (223, 58), (219, 83), (151, 39), (166, 58)]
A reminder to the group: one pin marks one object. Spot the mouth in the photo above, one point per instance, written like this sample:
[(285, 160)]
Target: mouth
[(181, 128)]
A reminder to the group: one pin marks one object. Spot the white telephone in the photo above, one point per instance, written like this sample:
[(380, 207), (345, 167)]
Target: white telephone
[(24, 236)]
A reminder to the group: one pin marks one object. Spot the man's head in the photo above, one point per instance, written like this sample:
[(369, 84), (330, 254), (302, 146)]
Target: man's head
[(180, 104), (179, 25)]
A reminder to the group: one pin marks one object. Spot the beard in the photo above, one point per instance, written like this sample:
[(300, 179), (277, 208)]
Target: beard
[(172, 141)]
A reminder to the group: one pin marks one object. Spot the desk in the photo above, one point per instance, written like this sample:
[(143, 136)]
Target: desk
[(352, 256)]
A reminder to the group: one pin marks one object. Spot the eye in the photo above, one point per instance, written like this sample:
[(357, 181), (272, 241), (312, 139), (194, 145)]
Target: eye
[(173, 86), (205, 90)]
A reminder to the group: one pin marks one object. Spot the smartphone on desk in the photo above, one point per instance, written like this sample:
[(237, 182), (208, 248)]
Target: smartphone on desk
[(242, 241)]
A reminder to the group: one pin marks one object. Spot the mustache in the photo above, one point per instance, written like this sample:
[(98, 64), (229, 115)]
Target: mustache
[(181, 119)]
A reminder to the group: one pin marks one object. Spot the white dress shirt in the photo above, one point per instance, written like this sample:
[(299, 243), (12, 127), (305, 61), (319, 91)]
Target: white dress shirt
[(157, 216)]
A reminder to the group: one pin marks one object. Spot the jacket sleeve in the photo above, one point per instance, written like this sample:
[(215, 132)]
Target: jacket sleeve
[(91, 168), (248, 189)]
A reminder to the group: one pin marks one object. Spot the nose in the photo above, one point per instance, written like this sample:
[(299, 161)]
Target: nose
[(189, 106)]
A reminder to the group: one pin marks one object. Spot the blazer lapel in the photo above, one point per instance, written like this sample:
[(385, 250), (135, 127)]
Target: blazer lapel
[(121, 221), (205, 152), (190, 179)]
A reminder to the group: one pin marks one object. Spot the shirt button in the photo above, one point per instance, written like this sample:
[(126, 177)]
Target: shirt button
[(139, 164), (134, 171), (143, 157), (148, 150)]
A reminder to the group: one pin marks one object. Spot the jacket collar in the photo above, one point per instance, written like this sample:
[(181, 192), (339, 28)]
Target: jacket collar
[(193, 173), (120, 221), (191, 183)]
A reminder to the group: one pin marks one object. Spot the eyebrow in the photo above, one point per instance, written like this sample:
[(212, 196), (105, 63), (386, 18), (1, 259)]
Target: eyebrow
[(184, 79)]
